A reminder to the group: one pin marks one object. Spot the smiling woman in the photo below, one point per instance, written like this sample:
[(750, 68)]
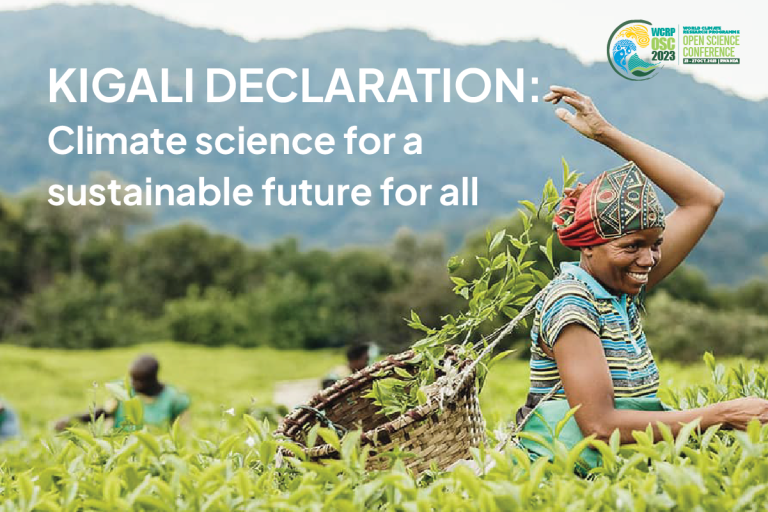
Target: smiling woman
[(617, 222), (588, 345)]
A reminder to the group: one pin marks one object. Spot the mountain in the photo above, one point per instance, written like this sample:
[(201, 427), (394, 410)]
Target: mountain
[(511, 147)]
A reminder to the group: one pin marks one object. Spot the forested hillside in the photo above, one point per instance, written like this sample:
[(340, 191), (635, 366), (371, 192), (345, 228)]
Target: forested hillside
[(510, 147)]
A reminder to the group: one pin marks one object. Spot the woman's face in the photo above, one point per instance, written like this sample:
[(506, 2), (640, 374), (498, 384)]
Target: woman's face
[(623, 265)]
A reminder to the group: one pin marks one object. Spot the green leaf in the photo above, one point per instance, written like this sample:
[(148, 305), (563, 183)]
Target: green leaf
[(349, 444), (510, 312), (569, 178), (709, 360), (26, 489), (574, 454), (330, 437), (684, 435), (498, 357), (454, 263), (134, 411), (243, 483), (547, 250), (550, 191), (152, 503), (403, 373), (526, 220), (499, 261), (459, 281), (529, 206), (149, 441), (566, 172), (498, 237), (561, 424), (253, 425), (540, 278), (517, 244), (83, 435), (112, 488), (312, 435)]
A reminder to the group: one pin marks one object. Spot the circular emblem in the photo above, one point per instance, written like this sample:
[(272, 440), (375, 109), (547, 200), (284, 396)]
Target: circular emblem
[(629, 51)]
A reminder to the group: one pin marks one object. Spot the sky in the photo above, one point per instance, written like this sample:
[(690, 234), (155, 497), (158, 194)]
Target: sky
[(582, 27)]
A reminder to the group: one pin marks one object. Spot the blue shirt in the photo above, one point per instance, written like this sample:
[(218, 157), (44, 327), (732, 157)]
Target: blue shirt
[(574, 296)]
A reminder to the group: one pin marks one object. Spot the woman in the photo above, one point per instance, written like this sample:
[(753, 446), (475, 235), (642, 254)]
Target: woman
[(587, 339)]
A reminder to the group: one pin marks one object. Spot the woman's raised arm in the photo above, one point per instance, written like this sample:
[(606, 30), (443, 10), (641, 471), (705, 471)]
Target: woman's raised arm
[(697, 198)]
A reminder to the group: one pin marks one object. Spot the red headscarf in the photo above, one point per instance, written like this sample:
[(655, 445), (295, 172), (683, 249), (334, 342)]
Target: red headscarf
[(616, 203)]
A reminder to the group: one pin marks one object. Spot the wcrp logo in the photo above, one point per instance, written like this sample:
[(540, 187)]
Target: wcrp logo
[(637, 50)]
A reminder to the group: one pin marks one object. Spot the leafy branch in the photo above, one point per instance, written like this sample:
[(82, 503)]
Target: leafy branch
[(507, 282)]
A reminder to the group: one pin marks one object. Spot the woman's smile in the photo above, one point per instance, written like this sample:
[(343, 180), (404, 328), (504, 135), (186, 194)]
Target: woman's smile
[(641, 277)]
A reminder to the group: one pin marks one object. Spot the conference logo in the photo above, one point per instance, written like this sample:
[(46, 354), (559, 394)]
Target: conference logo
[(637, 50)]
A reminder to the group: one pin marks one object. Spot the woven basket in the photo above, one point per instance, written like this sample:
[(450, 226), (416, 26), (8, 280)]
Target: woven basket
[(434, 434)]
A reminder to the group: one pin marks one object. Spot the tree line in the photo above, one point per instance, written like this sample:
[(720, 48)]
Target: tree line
[(78, 277)]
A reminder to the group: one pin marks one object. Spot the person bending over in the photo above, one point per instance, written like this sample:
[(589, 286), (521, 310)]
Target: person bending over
[(161, 403)]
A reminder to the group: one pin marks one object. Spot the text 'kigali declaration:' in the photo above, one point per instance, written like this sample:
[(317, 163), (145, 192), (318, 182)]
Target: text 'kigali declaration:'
[(307, 194)]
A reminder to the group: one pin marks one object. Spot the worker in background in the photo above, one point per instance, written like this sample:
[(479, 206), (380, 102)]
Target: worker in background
[(161, 403), (358, 357)]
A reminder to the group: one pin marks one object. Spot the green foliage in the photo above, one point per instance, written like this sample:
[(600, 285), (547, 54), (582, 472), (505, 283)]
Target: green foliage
[(163, 264), (66, 272), (752, 295), (682, 330), (727, 384), (688, 284), (288, 312), (212, 318), (75, 313), (230, 464), (205, 288)]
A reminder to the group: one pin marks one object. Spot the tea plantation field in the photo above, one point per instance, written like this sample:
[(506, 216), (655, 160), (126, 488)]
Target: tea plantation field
[(224, 459)]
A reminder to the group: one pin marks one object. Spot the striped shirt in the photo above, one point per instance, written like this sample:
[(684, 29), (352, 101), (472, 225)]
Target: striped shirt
[(576, 297)]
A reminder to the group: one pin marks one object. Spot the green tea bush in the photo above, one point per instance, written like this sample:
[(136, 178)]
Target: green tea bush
[(237, 469)]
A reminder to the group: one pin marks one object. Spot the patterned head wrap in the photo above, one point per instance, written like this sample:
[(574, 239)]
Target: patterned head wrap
[(616, 203)]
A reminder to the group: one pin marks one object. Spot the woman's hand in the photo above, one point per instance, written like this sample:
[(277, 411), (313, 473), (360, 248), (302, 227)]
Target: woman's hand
[(739, 412), (586, 120)]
